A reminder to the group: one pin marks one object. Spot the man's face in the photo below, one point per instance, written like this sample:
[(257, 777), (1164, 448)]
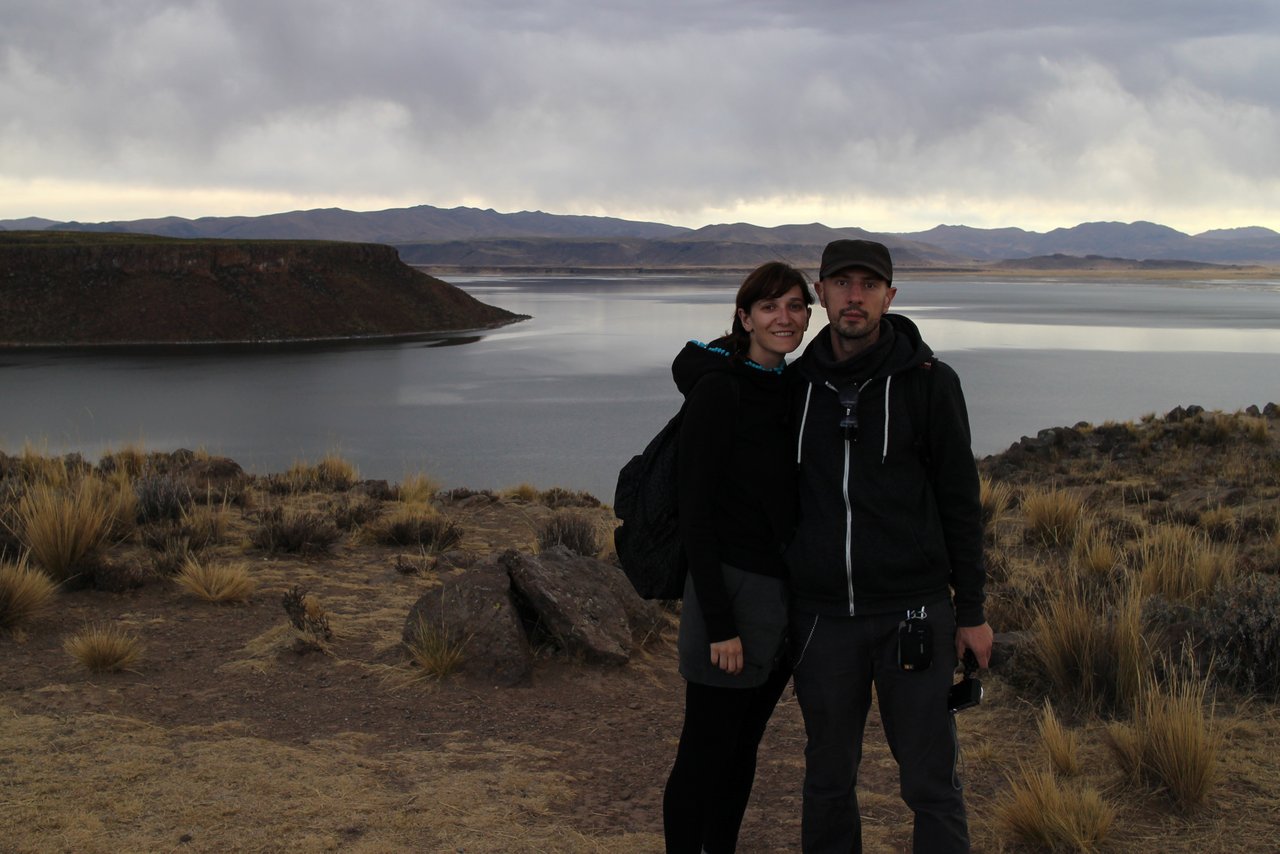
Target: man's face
[(855, 300)]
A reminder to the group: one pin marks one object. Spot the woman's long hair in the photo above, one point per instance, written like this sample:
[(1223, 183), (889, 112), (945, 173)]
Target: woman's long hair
[(768, 281)]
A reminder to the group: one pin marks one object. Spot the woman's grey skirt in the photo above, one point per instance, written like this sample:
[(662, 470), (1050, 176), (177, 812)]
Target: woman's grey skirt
[(760, 612)]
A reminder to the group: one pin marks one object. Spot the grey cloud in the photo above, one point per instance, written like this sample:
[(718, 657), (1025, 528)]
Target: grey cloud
[(569, 105)]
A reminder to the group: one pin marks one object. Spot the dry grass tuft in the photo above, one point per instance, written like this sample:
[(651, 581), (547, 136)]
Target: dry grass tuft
[(1171, 744), (1094, 555), (1098, 660), (431, 649), (521, 492), (219, 583), (1052, 517), (64, 528), (1181, 564), (572, 529), (104, 649), (1041, 813), (1062, 744), (996, 499), (335, 473), (25, 593), (418, 488), (308, 616)]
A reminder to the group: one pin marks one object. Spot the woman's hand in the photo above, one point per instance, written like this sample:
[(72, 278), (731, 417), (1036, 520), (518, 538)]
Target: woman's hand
[(727, 655)]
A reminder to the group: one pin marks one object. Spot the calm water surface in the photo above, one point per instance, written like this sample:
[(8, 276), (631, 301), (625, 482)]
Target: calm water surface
[(565, 398)]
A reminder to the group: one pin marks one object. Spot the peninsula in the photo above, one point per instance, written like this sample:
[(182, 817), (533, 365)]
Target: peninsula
[(90, 289)]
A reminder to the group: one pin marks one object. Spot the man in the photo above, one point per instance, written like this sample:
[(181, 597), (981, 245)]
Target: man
[(886, 565)]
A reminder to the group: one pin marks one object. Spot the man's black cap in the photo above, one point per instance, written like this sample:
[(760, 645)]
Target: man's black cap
[(868, 254)]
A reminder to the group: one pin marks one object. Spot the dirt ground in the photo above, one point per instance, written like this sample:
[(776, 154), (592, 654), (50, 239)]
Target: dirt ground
[(224, 737)]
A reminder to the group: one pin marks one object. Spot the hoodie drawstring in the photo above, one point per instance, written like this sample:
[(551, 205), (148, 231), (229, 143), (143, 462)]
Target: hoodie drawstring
[(884, 451), (804, 416)]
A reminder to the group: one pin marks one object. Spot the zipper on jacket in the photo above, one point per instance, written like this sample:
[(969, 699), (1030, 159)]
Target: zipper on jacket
[(848, 531)]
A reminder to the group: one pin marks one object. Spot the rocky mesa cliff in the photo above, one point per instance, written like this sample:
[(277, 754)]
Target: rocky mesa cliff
[(71, 288)]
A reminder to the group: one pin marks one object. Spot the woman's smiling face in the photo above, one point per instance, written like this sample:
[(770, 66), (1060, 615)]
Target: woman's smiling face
[(776, 326)]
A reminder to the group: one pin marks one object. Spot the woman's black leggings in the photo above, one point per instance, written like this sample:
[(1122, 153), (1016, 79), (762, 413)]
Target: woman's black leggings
[(715, 765)]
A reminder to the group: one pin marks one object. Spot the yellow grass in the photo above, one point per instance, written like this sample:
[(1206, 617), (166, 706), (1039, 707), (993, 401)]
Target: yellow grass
[(25, 593), (104, 649), (418, 489), (61, 527), (431, 648), (1095, 660), (1052, 517), (1181, 564), (1062, 744), (1093, 554), (1171, 744), (996, 498), (522, 492), (218, 583), (1040, 812)]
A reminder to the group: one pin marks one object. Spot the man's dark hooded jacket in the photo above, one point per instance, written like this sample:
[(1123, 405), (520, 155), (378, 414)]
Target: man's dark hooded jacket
[(889, 517)]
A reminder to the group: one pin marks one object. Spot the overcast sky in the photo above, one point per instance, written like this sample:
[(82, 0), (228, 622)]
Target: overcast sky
[(893, 115)]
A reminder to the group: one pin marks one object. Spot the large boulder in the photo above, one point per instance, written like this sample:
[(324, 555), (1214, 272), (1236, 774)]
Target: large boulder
[(586, 605), (474, 607)]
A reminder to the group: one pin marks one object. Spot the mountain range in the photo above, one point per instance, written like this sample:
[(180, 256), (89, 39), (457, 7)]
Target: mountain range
[(470, 238)]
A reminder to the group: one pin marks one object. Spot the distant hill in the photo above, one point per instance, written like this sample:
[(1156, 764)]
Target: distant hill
[(476, 239), (69, 288), (1135, 240)]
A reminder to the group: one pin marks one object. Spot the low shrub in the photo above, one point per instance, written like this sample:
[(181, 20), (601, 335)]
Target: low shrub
[(104, 649), (558, 496), (1242, 625), (416, 526), (25, 593), (160, 498), (350, 511), (299, 532), (574, 530), (307, 615), (219, 583), (1041, 813)]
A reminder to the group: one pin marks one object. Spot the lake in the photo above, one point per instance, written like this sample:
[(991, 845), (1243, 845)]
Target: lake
[(566, 398)]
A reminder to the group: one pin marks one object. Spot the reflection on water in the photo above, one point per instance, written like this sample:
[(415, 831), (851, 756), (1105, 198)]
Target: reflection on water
[(566, 397)]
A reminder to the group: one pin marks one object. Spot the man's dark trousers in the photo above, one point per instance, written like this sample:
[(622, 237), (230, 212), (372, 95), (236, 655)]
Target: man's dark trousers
[(842, 657)]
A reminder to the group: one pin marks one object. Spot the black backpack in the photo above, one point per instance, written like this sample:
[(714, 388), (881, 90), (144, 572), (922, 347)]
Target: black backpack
[(648, 540)]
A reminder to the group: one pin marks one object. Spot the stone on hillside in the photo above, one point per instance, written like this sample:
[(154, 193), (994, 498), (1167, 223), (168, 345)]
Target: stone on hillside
[(587, 605), (474, 607)]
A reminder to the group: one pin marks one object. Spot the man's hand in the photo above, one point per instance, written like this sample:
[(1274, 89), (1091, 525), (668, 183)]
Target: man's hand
[(727, 655), (976, 638)]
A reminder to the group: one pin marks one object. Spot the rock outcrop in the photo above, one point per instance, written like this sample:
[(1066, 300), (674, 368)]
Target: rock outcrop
[(499, 608)]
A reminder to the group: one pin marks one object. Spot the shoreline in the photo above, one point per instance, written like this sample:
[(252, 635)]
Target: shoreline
[(442, 336)]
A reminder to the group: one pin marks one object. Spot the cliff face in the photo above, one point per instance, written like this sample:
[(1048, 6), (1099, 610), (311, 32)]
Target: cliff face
[(78, 288)]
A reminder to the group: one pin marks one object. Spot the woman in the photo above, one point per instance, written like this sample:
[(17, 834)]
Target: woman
[(737, 509)]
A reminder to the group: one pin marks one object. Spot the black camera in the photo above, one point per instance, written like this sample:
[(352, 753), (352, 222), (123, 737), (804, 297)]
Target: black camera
[(966, 693), (915, 644)]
